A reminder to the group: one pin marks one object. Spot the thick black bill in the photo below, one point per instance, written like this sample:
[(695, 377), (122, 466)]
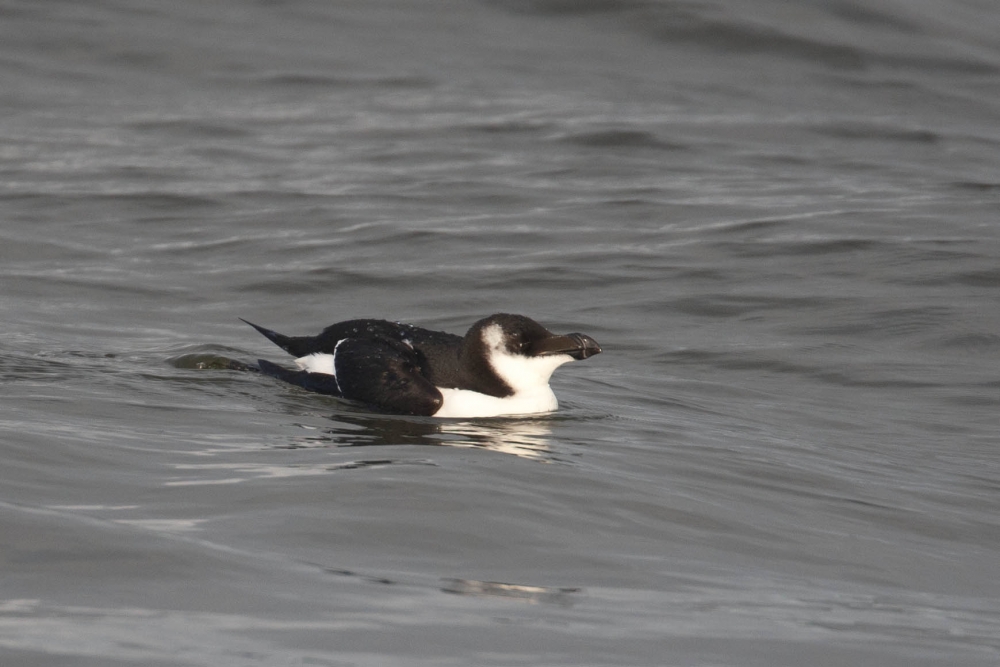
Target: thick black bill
[(576, 345)]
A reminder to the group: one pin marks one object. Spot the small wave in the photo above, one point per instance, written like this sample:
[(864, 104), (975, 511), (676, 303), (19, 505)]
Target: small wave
[(869, 131), (620, 138), (322, 80)]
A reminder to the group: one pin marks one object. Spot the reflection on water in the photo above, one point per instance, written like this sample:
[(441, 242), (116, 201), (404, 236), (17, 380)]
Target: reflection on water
[(165, 525), (529, 439), (530, 594), (241, 471), (340, 572)]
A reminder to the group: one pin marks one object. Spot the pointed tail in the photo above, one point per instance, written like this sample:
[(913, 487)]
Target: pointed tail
[(294, 345)]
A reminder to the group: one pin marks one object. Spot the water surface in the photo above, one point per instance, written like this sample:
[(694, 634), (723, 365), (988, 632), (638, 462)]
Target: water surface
[(778, 219)]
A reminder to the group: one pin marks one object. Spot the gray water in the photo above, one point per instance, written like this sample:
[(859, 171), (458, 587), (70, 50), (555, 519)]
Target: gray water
[(779, 219)]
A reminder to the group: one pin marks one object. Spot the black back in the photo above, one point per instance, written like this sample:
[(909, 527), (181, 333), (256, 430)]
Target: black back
[(398, 366)]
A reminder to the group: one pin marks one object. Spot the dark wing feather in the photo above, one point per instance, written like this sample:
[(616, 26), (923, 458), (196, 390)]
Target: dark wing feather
[(385, 375), (387, 365), (321, 383)]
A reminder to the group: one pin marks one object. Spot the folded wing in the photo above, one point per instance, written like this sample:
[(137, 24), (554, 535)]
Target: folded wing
[(380, 373)]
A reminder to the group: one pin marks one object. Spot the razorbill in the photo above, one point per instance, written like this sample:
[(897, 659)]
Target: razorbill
[(501, 366)]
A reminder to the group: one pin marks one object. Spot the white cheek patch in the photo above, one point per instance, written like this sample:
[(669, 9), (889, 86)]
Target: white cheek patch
[(493, 337)]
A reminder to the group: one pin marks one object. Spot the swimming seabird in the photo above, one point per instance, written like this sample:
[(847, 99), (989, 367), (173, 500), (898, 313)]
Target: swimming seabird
[(500, 367)]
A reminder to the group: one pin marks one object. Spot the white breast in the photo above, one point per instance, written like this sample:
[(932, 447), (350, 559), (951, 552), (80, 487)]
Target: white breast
[(462, 403)]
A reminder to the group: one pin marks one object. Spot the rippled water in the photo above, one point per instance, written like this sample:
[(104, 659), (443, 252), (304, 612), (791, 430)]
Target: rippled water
[(780, 220)]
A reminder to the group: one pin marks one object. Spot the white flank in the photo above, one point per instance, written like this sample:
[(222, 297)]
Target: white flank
[(320, 362), (317, 362)]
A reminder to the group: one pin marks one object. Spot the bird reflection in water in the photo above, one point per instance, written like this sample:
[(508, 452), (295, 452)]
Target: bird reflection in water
[(526, 438)]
